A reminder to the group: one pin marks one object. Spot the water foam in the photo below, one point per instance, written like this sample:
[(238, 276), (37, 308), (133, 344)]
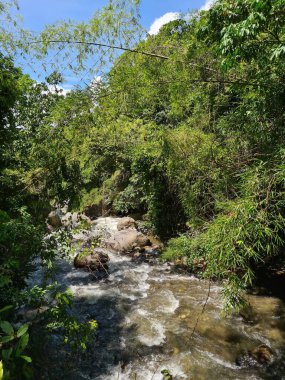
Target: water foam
[(156, 334)]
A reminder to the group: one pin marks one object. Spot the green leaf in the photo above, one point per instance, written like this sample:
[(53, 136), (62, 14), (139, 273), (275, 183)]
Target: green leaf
[(23, 342), (22, 330), (6, 354), (27, 358), (7, 327), (6, 339), (9, 307)]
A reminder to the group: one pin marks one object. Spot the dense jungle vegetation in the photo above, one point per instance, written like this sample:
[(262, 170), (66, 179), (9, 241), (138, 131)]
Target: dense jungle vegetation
[(191, 140)]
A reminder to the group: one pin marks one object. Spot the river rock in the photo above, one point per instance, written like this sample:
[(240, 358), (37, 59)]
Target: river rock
[(152, 250), (84, 217), (54, 219), (126, 241), (126, 223), (74, 219), (67, 219), (97, 260), (260, 355), (64, 209), (83, 236), (28, 314)]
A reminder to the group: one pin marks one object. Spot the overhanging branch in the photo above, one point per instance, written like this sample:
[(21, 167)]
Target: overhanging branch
[(100, 45)]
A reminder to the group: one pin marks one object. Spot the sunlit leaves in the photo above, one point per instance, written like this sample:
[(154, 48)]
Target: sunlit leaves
[(22, 330), (247, 29)]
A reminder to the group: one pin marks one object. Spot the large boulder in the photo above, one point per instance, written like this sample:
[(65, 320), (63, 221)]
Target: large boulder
[(126, 223), (127, 241), (95, 261), (54, 219)]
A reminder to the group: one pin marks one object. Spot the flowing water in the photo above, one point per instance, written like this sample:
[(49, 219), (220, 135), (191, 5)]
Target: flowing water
[(146, 316)]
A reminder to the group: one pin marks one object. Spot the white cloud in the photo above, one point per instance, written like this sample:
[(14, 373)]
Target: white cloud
[(96, 80), (62, 90), (65, 89), (159, 22), (207, 5)]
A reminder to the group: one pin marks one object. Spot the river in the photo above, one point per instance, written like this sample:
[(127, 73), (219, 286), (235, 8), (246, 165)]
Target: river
[(146, 318)]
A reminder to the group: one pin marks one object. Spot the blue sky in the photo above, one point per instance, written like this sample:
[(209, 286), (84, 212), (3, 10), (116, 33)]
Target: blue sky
[(38, 13)]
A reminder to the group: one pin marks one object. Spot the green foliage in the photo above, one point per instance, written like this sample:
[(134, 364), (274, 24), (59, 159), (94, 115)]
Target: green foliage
[(248, 30), (166, 374), (55, 316), (20, 242), (13, 343), (93, 197), (246, 233), (9, 91), (194, 141), (58, 243), (198, 167), (75, 333), (86, 251)]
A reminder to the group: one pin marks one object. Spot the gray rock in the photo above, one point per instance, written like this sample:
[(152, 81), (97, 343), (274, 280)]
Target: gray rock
[(126, 241), (83, 236), (126, 223), (67, 219), (64, 209), (74, 218), (84, 218), (28, 314), (54, 219)]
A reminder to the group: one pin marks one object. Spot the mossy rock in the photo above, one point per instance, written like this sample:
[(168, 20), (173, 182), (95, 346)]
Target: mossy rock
[(95, 260)]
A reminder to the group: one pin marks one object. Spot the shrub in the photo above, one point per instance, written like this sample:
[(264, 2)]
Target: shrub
[(245, 234)]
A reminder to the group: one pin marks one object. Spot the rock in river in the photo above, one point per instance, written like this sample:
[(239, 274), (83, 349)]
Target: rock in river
[(95, 261), (126, 223), (54, 219), (127, 241), (260, 355)]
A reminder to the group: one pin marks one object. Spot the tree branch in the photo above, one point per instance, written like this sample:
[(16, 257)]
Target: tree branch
[(100, 45)]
